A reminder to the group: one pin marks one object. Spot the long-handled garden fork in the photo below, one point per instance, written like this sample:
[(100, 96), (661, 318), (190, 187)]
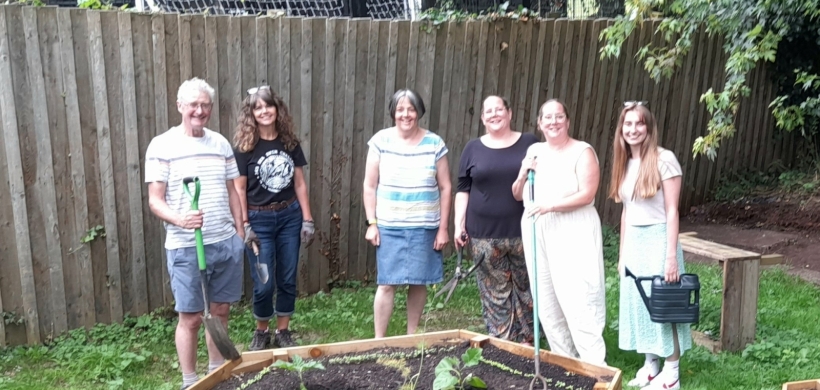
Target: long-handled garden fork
[(537, 377)]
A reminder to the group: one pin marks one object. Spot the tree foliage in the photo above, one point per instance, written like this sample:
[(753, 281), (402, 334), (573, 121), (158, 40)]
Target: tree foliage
[(752, 31)]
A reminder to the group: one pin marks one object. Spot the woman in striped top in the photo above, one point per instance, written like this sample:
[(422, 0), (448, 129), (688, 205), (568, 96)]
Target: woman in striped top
[(407, 198)]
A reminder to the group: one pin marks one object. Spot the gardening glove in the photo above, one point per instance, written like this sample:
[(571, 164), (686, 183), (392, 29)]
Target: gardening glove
[(307, 232), (250, 237)]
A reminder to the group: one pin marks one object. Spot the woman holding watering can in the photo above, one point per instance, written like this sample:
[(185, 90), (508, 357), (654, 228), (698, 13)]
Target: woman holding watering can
[(275, 206), (568, 238), (490, 218), (647, 180)]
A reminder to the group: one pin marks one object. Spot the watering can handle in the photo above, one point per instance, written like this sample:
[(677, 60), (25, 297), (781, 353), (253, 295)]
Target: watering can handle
[(638, 281)]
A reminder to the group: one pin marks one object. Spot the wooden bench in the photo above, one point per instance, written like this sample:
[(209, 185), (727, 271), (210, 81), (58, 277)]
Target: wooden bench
[(741, 273)]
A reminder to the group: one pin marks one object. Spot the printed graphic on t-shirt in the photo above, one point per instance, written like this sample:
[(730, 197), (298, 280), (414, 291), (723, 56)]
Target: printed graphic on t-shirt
[(274, 171)]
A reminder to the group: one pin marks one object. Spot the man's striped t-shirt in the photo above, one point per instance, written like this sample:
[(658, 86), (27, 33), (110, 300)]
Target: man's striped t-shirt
[(407, 195), (173, 156)]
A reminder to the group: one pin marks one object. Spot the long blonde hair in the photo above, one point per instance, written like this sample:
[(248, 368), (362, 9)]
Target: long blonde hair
[(247, 131), (649, 177)]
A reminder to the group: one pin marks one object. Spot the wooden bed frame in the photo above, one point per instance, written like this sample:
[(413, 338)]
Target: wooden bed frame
[(255, 361)]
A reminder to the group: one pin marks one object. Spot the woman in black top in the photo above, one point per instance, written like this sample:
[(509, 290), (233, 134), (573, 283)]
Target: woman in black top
[(489, 216), (274, 198)]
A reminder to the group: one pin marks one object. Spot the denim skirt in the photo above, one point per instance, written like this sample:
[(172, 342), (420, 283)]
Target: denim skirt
[(406, 256)]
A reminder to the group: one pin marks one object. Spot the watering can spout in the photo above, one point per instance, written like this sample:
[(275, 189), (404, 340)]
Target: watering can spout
[(670, 302)]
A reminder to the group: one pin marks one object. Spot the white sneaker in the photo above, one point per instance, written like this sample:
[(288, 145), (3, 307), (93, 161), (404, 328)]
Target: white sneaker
[(643, 377), (664, 381)]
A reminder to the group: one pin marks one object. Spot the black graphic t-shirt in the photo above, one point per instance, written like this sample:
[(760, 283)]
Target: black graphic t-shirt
[(270, 169)]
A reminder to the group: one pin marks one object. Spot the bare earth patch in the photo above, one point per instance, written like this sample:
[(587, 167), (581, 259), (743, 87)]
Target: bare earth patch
[(789, 226)]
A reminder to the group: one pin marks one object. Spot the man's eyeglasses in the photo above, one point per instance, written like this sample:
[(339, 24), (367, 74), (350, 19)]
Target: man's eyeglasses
[(256, 89), (203, 106), (634, 103)]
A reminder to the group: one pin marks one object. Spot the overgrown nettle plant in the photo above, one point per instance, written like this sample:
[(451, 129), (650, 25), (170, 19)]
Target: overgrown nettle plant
[(752, 31), (449, 372)]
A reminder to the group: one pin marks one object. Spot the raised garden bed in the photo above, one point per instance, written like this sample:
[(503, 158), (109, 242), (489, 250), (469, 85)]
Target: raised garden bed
[(356, 365), (803, 385)]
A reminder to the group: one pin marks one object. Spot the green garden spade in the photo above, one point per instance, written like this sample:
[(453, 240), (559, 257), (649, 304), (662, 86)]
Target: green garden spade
[(537, 377), (213, 325)]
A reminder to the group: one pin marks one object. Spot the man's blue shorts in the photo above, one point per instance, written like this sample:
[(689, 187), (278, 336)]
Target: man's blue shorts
[(224, 267)]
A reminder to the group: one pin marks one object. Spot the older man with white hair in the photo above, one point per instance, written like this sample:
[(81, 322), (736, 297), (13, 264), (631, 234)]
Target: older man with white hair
[(187, 150)]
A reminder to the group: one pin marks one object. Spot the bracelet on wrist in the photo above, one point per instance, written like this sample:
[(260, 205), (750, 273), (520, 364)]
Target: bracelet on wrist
[(307, 220)]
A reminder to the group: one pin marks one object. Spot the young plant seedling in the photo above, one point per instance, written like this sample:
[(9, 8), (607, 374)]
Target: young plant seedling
[(299, 366), (449, 372)]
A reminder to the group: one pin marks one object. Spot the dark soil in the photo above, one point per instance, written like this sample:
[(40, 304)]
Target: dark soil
[(370, 375), (781, 224), (772, 212)]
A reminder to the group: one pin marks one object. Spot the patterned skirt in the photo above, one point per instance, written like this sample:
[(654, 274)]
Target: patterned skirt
[(504, 288), (644, 253)]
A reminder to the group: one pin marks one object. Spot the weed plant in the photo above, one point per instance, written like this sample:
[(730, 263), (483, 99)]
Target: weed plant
[(139, 353)]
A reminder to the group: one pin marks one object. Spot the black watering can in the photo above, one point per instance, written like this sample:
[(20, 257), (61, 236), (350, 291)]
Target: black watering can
[(676, 303)]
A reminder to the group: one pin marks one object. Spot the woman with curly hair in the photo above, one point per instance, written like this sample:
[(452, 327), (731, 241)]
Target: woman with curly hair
[(275, 208)]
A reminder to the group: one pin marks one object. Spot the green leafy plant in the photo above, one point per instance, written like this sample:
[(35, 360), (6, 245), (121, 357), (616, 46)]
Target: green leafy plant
[(299, 366), (449, 372), (751, 31), (94, 4), (92, 233)]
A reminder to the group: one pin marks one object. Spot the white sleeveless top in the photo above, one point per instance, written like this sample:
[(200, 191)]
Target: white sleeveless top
[(556, 175)]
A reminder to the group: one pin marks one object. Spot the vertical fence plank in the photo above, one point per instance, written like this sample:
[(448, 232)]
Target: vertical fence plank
[(173, 75), (575, 80), (479, 57), (392, 63), (601, 128), (359, 151), (84, 303), (541, 69), (307, 279), (446, 86), (523, 84), (116, 120), (689, 123), (159, 285), (106, 166), (45, 168), (230, 48), (143, 64), (457, 97), (14, 162), (367, 253), (508, 53), (345, 236), (586, 103), (769, 128), (432, 76), (412, 55), (760, 109), (212, 67), (261, 41), (185, 51), (326, 230), (139, 293), (340, 157)]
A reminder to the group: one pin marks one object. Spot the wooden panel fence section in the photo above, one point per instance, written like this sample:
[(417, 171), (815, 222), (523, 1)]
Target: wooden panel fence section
[(84, 92)]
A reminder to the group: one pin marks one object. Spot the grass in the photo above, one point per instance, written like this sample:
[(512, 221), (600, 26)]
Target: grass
[(139, 354)]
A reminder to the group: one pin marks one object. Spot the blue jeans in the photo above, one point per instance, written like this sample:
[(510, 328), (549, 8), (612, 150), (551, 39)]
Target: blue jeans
[(279, 236)]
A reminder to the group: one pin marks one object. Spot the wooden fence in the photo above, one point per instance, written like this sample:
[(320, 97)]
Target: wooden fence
[(83, 92)]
